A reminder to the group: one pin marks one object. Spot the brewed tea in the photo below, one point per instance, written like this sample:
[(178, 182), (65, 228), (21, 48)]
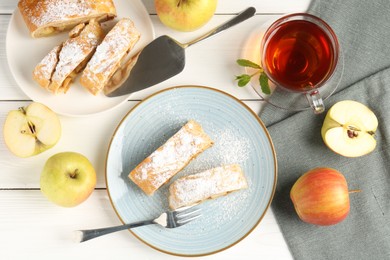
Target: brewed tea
[(299, 55)]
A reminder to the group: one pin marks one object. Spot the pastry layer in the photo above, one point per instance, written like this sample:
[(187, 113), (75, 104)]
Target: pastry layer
[(47, 17), (210, 184), (58, 68), (44, 70), (109, 55), (159, 167)]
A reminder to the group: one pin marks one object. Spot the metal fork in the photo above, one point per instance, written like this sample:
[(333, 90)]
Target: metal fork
[(168, 219)]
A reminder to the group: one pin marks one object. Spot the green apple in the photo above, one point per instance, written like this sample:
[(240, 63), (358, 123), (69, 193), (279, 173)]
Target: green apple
[(31, 130), (349, 128), (185, 15), (67, 179)]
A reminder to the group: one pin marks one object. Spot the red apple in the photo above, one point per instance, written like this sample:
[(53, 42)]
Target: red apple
[(321, 197)]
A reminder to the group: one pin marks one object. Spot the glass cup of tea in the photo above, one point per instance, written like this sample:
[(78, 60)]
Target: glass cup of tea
[(299, 53)]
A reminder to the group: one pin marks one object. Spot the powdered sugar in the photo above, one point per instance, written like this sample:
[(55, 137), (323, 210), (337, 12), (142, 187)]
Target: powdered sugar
[(230, 147), (171, 157), (91, 36), (56, 11), (211, 183), (51, 11), (74, 51), (110, 52), (44, 70)]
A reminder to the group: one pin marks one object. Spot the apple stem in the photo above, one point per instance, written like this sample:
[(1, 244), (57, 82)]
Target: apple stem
[(74, 174), (22, 110), (354, 191), (179, 3)]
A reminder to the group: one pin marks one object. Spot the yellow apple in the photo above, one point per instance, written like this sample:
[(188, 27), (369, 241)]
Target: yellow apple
[(185, 15), (68, 179), (349, 129), (31, 130)]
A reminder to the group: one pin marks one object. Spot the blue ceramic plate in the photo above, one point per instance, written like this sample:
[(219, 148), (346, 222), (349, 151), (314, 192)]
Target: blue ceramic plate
[(239, 136)]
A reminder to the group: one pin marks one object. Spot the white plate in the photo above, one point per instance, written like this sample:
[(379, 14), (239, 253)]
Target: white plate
[(24, 53)]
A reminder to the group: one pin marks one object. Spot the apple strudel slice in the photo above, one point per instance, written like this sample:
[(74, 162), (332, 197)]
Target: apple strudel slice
[(61, 65), (109, 56), (48, 17), (210, 184), (159, 167), (44, 70)]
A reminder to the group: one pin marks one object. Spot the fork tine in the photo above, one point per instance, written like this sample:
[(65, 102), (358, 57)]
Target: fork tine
[(186, 212), (185, 220), (186, 209), (182, 209)]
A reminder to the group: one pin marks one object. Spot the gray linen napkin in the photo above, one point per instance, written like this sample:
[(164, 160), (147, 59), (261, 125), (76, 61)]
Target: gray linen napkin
[(363, 28)]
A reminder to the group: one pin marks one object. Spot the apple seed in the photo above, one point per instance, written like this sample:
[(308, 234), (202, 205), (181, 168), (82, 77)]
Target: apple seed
[(32, 127), (352, 133)]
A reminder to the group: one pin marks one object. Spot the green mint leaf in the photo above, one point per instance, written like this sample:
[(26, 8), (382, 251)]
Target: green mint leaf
[(243, 80), (264, 83), (248, 63)]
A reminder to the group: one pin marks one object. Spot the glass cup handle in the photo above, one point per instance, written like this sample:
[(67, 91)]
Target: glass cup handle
[(316, 101)]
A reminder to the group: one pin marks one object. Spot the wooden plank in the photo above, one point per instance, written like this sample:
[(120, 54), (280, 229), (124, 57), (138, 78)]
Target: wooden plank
[(89, 136), (218, 72), (209, 64), (34, 228), (224, 6), (262, 7), (28, 221)]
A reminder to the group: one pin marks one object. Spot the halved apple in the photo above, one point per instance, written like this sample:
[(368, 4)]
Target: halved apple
[(31, 130), (349, 129)]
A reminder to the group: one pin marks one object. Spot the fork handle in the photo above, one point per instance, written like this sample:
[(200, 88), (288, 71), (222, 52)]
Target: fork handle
[(84, 235)]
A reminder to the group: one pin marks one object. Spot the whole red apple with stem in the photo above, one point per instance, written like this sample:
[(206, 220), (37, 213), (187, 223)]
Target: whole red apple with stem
[(321, 197)]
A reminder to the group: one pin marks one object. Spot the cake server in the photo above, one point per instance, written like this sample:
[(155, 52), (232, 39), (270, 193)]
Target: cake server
[(162, 59)]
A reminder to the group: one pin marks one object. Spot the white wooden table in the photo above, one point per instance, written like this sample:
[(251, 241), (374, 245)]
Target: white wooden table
[(31, 227)]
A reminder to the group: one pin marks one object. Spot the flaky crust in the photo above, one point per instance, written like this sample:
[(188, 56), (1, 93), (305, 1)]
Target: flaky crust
[(56, 71), (47, 17), (109, 55), (210, 184), (159, 167), (44, 70)]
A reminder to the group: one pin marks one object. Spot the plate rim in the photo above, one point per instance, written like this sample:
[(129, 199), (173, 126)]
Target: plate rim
[(126, 98), (275, 174)]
